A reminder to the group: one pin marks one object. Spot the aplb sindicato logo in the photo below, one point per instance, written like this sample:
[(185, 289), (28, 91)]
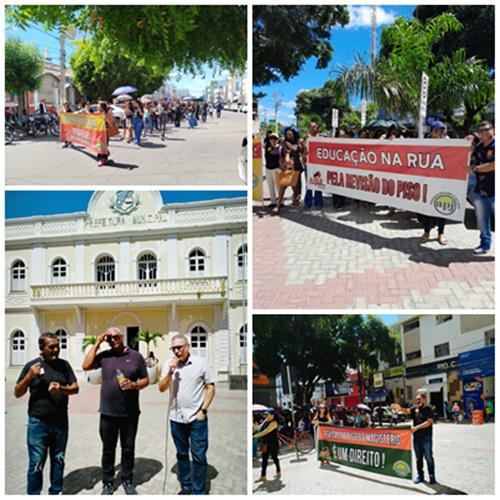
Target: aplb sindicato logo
[(401, 468), (124, 202), (445, 203), (316, 180)]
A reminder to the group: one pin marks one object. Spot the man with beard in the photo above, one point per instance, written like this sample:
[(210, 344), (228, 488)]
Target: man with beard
[(50, 381), (124, 374), (192, 389), (423, 417)]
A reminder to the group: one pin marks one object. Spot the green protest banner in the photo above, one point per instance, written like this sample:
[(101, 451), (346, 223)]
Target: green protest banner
[(383, 451)]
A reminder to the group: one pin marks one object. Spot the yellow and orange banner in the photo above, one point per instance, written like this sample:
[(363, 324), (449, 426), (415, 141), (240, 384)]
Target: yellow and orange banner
[(257, 192), (89, 130)]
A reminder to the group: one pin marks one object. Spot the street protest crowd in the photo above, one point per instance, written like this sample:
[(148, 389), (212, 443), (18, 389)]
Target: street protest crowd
[(145, 116), (50, 381), (286, 159)]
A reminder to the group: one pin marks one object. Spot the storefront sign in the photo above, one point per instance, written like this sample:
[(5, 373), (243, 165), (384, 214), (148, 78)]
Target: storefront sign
[(423, 176), (88, 130), (382, 451), (473, 395), (435, 367)]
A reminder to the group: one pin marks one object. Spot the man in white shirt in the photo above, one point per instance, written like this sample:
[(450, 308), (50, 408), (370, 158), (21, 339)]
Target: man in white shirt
[(192, 390)]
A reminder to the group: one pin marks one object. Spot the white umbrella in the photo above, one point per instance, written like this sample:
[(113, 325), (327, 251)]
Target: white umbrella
[(124, 97), (362, 406), (257, 407)]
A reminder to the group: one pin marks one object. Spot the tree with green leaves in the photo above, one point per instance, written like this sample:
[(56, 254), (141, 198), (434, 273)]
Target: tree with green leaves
[(285, 36), (98, 69), (393, 79), (23, 68), (147, 338), (320, 347), (181, 36)]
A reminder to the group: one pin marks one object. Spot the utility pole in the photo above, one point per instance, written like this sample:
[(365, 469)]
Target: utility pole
[(277, 104), (374, 32), (62, 81)]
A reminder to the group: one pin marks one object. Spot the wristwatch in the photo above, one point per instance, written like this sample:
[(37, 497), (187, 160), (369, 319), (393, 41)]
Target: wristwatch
[(204, 411)]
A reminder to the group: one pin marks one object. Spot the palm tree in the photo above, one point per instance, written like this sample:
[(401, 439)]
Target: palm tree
[(147, 338), (88, 341)]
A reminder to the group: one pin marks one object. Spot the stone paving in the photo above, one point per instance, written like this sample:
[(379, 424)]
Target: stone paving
[(465, 465), (227, 453), (362, 259)]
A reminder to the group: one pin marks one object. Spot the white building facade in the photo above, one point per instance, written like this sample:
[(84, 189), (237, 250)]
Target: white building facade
[(134, 263)]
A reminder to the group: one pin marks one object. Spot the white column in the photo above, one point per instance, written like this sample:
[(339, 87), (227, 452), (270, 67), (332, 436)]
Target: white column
[(220, 358), (80, 262), (37, 327), (172, 256), (219, 249), (79, 335), (38, 271), (125, 259)]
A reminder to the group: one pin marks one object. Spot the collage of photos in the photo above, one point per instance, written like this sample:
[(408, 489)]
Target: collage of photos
[(179, 322)]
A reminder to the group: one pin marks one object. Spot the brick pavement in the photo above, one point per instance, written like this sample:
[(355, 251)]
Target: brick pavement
[(227, 456), (308, 259), (465, 464)]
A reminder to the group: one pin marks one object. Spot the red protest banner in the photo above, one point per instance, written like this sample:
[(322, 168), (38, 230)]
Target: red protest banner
[(422, 176)]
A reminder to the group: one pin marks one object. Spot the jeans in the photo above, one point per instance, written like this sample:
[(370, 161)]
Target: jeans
[(195, 436), (148, 124), (137, 126), (423, 448), (485, 208), (109, 429), (318, 198), (162, 123), (43, 437)]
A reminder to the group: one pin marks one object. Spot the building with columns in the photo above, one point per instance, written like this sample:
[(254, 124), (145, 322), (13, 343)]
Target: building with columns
[(133, 262)]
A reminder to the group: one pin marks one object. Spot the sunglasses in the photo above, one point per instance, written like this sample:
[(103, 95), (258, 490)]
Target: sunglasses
[(178, 347), (480, 131)]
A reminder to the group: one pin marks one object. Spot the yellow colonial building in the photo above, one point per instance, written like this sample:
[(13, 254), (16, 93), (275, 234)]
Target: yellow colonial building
[(133, 262)]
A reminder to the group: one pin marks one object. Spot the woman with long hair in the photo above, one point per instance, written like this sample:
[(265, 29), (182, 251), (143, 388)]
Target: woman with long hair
[(269, 438)]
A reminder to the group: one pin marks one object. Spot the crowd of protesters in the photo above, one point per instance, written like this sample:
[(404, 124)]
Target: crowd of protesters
[(286, 156)]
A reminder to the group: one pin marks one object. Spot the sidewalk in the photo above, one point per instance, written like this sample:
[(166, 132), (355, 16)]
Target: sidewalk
[(206, 155), (311, 259), (227, 456), (465, 464)]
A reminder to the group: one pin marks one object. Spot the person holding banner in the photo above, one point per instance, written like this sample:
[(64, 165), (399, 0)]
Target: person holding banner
[(66, 108), (318, 195), (270, 444), (483, 193), (423, 418), (110, 120)]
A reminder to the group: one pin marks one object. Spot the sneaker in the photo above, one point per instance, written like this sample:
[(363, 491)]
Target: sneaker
[(129, 488), (418, 480), (432, 479), (107, 489), (481, 249), (65, 145), (100, 163)]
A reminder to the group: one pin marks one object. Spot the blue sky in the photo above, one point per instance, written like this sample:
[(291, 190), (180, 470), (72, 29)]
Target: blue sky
[(355, 37), (29, 203), (48, 41)]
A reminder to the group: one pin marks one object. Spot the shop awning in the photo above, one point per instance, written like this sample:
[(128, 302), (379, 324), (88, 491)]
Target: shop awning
[(431, 387)]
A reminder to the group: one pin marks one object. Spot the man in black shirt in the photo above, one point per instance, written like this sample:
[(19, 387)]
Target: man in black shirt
[(124, 374), (423, 417), (50, 381)]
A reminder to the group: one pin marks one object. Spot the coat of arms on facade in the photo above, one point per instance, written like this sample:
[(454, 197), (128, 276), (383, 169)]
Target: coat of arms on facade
[(125, 202)]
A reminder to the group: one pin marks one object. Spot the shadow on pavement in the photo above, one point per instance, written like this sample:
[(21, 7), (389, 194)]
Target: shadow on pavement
[(411, 246), (110, 162), (88, 477), (441, 489), (271, 486), (212, 473)]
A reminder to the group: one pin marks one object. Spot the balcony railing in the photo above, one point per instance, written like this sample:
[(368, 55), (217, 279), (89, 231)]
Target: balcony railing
[(197, 287)]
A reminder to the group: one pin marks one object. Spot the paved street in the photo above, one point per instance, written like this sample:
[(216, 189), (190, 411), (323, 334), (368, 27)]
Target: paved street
[(362, 259), (464, 457), (227, 456), (207, 155)]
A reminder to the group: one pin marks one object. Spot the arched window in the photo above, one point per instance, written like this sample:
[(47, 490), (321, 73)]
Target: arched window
[(59, 272), (105, 270), (17, 349), (242, 262), (18, 277), (199, 342), (197, 263), (147, 267), (243, 345), (63, 343)]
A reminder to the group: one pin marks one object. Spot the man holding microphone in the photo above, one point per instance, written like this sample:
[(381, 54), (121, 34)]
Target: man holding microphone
[(192, 389), (124, 374)]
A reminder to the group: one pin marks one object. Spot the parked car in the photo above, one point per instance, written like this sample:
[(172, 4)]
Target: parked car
[(116, 110)]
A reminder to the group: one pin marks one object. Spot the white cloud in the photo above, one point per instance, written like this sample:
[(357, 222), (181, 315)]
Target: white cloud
[(288, 104), (361, 17)]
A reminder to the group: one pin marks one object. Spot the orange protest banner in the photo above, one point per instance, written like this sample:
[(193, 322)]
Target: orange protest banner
[(89, 130)]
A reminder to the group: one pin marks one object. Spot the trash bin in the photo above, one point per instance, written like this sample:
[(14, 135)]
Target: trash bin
[(477, 417)]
